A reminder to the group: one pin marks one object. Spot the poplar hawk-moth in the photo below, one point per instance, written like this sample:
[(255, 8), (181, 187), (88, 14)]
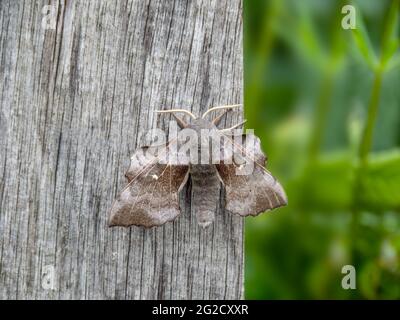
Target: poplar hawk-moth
[(158, 173)]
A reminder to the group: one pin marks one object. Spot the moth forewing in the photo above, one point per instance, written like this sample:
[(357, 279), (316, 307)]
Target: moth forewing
[(244, 164), (151, 196), (226, 150)]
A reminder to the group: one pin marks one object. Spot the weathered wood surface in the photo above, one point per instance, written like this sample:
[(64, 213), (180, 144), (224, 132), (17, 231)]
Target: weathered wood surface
[(74, 103)]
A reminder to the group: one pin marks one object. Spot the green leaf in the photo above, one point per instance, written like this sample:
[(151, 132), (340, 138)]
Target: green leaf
[(393, 63), (327, 185), (380, 183), (390, 42), (300, 33), (363, 43), (369, 279)]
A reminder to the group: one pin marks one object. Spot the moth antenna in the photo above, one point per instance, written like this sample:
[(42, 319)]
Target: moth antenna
[(221, 107), (233, 127), (176, 110)]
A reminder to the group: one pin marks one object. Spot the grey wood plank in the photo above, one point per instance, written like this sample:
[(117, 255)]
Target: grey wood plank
[(75, 102)]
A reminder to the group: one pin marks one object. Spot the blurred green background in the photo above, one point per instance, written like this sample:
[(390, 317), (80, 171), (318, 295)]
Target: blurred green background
[(325, 102)]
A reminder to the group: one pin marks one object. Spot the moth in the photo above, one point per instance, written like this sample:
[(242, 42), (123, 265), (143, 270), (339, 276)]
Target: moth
[(151, 197)]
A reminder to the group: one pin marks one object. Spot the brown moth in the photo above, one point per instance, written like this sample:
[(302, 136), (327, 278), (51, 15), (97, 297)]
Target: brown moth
[(158, 173)]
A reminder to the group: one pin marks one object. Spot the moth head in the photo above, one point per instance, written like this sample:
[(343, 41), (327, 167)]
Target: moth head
[(200, 123)]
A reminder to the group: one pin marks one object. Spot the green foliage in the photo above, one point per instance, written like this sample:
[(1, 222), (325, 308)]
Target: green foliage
[(324, 101), (380, 183), (363, 43), (329, 181)]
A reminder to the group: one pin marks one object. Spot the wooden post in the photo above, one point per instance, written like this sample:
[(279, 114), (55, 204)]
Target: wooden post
[(79, 82)]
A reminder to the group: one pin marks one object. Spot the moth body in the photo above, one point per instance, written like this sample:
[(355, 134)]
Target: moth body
[(151, 197), (206, 185), (206, 189)]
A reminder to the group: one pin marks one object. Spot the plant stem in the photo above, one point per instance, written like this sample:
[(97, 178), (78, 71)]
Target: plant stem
[(365, 148), (367, 136)]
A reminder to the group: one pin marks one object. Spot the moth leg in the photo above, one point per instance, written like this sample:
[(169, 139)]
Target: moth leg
[(182, 124), (185, 180), (218, 119), (234, 127)]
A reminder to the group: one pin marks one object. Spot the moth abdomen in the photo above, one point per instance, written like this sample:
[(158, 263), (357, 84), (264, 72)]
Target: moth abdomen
[(205, 193)]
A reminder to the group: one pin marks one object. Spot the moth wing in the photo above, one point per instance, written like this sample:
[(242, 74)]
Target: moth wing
[(151, 197), (250, 189), (242, 147), (143, 156)]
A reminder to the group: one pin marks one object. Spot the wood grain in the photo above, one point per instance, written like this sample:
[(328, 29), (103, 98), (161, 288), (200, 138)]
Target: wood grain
[(75, 102)]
